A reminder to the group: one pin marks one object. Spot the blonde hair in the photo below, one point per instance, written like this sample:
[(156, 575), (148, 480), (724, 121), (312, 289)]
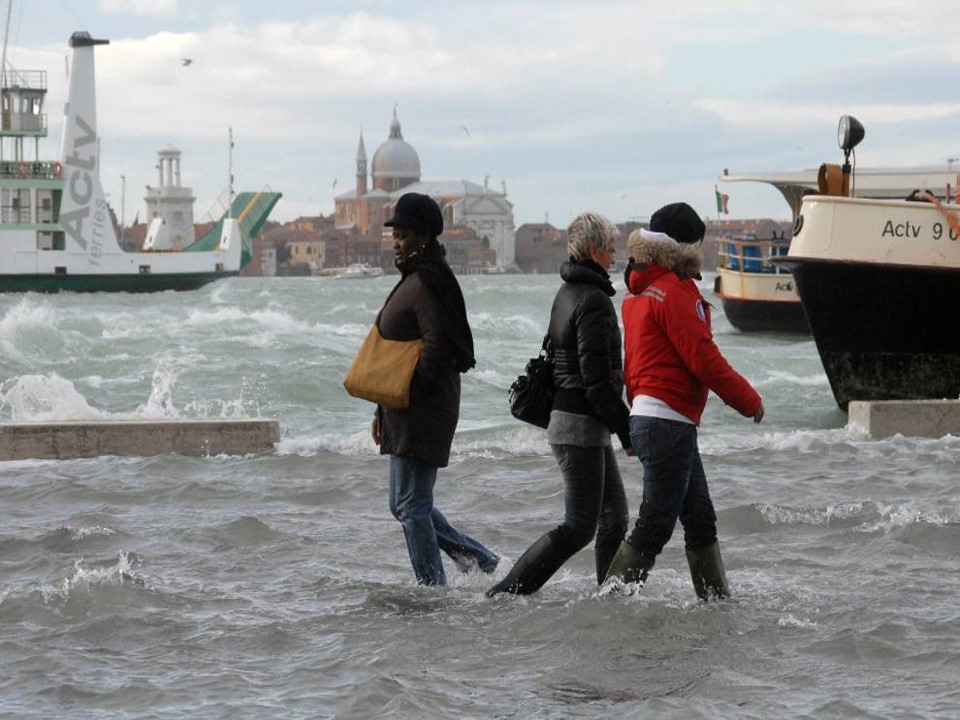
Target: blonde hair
[(589, 230)]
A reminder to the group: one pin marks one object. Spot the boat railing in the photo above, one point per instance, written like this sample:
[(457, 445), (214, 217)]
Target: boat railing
[(32, 169), (749, 254), (19, 80), (14, 214)]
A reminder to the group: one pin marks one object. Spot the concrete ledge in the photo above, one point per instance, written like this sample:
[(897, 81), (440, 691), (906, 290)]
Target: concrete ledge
[(913, 418), (85, 439)]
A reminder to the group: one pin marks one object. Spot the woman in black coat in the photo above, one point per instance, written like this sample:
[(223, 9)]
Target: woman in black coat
[(587, 408), (427, 303)]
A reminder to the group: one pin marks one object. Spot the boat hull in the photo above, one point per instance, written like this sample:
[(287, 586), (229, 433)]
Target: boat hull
[(765, 317), (128, 283), (880, 284), (883, 332)]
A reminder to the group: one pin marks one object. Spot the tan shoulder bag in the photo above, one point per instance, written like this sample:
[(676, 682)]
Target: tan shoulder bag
[(383, 369)]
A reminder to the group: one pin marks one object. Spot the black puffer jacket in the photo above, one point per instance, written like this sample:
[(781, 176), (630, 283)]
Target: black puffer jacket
[(588, 364)]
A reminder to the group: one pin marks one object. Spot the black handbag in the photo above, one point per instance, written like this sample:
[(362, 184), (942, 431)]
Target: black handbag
[(531, 395)]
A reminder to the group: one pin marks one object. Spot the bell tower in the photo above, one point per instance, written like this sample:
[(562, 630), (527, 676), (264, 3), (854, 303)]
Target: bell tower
[(363, 207)]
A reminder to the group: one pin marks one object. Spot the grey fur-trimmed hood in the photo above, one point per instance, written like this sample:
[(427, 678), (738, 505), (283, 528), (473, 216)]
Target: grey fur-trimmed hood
[(646, 247)]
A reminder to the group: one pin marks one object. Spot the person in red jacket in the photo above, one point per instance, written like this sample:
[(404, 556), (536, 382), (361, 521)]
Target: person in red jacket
[(671, 362)]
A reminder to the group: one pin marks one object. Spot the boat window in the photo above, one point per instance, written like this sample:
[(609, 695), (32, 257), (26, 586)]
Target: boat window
[(47, 240), (48, 206), (15, 205), (50, 240)]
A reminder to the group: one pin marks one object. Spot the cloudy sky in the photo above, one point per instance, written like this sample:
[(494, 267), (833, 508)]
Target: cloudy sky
[(617, 107)]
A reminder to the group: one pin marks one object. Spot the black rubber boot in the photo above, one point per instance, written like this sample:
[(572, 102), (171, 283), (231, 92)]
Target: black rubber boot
[(533, 569), (629, 565), (706, 571)]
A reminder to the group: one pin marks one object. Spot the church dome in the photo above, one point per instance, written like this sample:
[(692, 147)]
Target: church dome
[(395, 163)]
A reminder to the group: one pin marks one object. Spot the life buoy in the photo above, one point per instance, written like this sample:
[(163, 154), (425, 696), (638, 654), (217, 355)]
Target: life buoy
[(23, 169), (57, 169)]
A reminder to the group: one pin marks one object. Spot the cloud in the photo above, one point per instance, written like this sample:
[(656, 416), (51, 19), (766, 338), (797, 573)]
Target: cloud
[(282, 75), (161, 8), (573, 107), (755, 114)]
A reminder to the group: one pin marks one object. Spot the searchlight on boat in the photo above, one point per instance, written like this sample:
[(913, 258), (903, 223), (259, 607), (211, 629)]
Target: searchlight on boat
[(850, 133)]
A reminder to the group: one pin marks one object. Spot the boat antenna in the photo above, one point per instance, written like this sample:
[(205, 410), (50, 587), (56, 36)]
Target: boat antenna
[(6, 34), (230, 187)]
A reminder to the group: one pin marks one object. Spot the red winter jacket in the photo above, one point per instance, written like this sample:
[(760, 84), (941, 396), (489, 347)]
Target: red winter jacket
[(669, 352)]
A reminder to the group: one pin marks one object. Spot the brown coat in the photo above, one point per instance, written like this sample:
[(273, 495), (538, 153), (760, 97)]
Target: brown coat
[(425, 429)]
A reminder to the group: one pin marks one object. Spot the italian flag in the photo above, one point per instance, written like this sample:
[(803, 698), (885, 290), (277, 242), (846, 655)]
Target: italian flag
[(722, 199)]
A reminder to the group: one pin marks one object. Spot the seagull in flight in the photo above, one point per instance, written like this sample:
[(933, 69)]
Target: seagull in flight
[(466, 132), (186, 61)]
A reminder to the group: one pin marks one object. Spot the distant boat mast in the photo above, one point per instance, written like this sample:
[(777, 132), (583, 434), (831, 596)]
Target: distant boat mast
[(230, 185), (6, 34)]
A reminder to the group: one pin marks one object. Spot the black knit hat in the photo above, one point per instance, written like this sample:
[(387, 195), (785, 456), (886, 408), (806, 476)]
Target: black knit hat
[(679, 221), (418, 212)]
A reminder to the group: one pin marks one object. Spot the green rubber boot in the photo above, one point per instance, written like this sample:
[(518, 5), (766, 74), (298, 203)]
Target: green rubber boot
[(629, 565), (706, 571)]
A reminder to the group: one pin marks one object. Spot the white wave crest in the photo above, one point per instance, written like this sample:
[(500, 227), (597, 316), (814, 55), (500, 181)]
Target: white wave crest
[(894, 517), (51, 398), (44, 398), (84, 577), (358, 443), (802, 441), (520, 326), (779, 378), (82, 533), (792, 621), (516, 441), (26, 315), (777, 515)]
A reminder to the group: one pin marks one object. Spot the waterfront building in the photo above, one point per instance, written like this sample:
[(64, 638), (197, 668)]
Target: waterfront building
[(395, 170)]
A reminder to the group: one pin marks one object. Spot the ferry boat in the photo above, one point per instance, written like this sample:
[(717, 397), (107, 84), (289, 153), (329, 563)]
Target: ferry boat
[(879, 281), (758, 293), (56, 229)]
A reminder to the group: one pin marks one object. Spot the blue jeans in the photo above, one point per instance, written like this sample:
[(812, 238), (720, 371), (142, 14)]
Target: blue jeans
[(674, 486), (425, 528)]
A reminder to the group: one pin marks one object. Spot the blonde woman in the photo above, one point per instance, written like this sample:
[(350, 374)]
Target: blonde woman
[(588, 407)]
